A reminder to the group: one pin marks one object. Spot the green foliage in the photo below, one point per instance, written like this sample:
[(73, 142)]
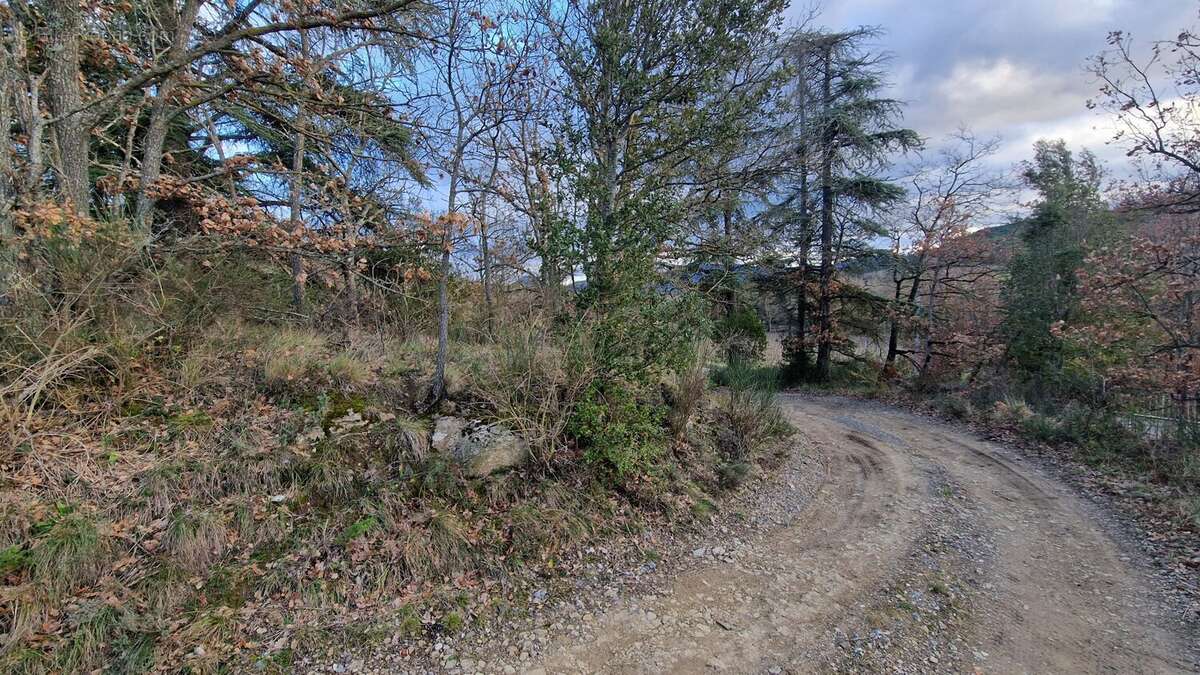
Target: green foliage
[(618, 430), (1043, 428), (357, 529), (733, 473), (1042, 288), (452, 622), (642, 335), (13, 559), (742, 334), (72, 552), (686, 394), (797, 363), (743, 376), (954, 406)]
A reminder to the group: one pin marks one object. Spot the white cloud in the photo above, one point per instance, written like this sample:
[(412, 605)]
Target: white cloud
[(1001, 92)]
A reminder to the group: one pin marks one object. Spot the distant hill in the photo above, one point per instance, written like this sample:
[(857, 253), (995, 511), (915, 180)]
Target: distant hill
[(1007, 233)]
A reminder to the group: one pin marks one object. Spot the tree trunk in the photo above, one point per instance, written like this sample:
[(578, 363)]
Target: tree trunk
[(893, 329), (296, 197), (8, 188), (928, 339), (485, 263), (28, 106), (160, 114), (350, 263), (8, 181), (825, 301), (727, 260), (805, 239), (910, 301), (437, 388), (70, 126), (485, 258)]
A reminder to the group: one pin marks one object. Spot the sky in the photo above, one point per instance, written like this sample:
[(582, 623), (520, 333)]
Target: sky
[(1008, 68)]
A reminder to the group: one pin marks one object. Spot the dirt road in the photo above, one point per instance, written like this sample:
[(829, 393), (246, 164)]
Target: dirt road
[(924, 549)]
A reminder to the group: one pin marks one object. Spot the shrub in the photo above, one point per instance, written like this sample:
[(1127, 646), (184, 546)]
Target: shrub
[(742, 375), (732, 474), (687, 390), (1011, 411), (618, 430), (749, 412), (797, 362), (953, 406), (1044, 429), (532, 383), (643, 336), (742, 334)]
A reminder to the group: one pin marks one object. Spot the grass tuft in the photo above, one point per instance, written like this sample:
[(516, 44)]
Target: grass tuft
[(290, 354), (72, 553), (196, 539), (347, 369)]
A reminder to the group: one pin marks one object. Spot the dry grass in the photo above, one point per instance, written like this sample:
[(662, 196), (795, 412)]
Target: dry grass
[(348, 369), (329, 476), (688, 390), (532, 384), (292, 353), (196, 539), (223, 463)]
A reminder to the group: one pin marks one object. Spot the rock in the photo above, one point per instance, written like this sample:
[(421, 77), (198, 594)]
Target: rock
[(447, 432), (490, 448)]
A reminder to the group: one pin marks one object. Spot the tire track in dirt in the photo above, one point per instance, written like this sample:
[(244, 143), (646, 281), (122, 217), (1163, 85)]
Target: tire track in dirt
[(1039, 584)]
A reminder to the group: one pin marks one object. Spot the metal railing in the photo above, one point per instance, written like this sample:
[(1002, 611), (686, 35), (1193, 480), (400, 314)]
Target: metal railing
[(1166, 417)]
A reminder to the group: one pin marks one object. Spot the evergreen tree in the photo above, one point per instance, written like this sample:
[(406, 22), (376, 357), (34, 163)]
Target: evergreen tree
[(1042, 289), (857, 130)]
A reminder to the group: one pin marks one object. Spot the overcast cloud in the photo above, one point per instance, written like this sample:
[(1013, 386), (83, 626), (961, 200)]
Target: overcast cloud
[(1013, 68)]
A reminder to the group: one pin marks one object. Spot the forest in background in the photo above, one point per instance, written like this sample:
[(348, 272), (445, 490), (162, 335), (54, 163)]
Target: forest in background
[(260, 258)]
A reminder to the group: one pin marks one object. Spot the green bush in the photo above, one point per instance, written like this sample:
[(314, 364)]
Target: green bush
[(686, 393), (617, 430), (741, 375), (742, 334), (1043, 428), (640, 337), (954, 406)]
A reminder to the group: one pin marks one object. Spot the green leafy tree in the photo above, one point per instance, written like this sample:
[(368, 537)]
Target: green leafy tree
[(1043, 287)]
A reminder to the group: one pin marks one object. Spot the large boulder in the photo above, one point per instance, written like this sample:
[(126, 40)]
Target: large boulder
[(486, 449), (447, 432)]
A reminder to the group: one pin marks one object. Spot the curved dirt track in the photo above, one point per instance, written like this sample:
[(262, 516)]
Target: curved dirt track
[(925, 549)]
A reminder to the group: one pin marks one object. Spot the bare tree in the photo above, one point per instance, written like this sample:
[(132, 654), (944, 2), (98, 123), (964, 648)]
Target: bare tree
[(947, 196)]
